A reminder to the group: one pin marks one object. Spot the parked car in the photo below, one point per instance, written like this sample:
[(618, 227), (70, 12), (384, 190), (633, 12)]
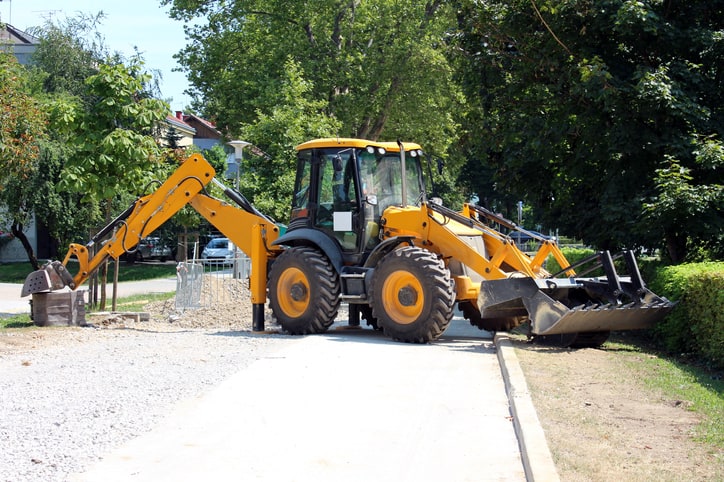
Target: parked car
[(151, 248), (218, 251), (523, 238)]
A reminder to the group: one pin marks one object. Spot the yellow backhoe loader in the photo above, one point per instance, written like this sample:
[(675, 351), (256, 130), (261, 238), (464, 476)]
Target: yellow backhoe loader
[(362, 231)]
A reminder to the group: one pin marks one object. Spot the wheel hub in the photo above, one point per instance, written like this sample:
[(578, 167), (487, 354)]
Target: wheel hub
[(407, 296), (298, 292)]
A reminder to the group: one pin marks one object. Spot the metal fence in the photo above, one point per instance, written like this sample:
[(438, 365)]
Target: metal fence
[(201, 285)]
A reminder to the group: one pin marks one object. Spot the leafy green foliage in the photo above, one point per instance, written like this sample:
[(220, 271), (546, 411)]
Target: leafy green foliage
[(22, 125), (380, 65), (268, 181), (695, 324), (582, 108), (69, 53), (113, 135), (573, 255)]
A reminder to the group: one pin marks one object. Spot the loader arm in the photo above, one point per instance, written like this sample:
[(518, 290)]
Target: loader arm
[(499, 287)]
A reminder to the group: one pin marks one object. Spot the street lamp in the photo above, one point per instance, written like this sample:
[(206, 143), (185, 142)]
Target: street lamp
[(238, 157)]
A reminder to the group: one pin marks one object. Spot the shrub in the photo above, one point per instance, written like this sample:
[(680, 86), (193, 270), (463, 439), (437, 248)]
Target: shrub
[(695, 325)]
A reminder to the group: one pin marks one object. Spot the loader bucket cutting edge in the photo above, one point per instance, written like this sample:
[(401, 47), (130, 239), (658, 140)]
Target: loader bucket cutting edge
[(606, 318), (550, 314)]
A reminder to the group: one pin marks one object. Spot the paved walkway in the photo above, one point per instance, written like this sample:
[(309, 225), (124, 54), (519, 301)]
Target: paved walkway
[(349, 405)]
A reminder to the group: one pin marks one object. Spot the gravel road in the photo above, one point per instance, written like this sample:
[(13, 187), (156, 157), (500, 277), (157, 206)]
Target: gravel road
[(69, 398)]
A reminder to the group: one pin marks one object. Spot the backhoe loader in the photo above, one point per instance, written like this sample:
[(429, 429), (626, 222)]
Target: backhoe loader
[(362, 231)]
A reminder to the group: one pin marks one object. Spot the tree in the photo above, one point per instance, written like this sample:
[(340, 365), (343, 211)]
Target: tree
[(586, 109), (22, 126), (113, 134), (268, 179), (378, 65), (69, 53)]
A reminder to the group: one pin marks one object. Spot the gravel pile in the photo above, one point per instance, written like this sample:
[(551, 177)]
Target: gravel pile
[(70, 395)]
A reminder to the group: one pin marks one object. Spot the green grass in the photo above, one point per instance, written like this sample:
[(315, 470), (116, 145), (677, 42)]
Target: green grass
[(699, 388), (138, 302), (16, 321), (16, 272), (129, 303)]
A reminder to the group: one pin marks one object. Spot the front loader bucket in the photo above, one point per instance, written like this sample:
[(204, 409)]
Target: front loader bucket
[(569, 306), (551, 317)]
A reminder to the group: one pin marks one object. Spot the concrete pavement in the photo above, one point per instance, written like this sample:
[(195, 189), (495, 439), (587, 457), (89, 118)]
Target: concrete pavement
[(349, 405)]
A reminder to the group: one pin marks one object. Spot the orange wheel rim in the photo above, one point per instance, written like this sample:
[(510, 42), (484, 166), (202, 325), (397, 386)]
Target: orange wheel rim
[(293, 292), (404, 298)]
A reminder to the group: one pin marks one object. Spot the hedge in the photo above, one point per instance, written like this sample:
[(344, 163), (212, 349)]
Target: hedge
[(696, 325)]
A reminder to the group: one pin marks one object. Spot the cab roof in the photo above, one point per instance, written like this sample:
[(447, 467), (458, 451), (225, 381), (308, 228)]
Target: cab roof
[(349, 142)]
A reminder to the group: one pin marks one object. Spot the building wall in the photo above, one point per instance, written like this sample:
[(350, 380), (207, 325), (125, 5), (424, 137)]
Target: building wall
[(13, 251)]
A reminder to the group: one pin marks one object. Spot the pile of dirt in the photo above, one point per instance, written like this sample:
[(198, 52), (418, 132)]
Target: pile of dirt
[(224, 303)]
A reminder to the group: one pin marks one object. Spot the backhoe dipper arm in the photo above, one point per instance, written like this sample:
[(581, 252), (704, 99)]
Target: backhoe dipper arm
[(143, 217)]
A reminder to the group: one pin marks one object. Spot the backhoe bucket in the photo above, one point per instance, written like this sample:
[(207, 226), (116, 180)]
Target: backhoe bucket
[(52, 276)]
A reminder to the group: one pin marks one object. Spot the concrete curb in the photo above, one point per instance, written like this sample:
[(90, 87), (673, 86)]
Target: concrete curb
[(537, 461)]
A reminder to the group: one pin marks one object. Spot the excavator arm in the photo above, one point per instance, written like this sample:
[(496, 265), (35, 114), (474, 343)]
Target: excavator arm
[(249, 229)]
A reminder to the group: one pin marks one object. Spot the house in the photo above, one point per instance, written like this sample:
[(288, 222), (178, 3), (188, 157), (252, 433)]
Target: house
[(176, 133), (207, 135), (20, 43)]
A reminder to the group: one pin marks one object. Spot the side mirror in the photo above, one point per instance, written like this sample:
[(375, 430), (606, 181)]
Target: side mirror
[(371, 199)]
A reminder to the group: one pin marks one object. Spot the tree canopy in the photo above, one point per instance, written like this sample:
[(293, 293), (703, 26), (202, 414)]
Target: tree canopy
[(88, 119), (605, 116), (379, 66), (22, 128)]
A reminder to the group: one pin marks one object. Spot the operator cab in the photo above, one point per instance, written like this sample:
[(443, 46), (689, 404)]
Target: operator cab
[(343, 186)]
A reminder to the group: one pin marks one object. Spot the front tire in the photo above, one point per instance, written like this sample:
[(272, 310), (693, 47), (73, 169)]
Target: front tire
[(412, 295), (303, 291)]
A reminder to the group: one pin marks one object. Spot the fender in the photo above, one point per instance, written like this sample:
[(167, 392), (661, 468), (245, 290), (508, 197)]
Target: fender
[(385, 247), (312, 237)]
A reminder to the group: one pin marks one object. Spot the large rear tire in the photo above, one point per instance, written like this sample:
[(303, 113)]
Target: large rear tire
[(412, 295), (303, 291)]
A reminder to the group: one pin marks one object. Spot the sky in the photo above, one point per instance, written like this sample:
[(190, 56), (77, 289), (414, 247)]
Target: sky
[(127, 23)]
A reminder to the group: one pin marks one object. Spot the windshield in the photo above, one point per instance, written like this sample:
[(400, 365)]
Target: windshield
[(381, 176), (218, 243)]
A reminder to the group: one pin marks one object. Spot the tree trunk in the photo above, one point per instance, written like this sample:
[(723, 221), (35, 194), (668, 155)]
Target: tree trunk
[(676, 247), (17, 230)]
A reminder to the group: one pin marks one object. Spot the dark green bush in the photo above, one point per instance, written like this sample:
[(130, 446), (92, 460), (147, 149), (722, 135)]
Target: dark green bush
[(696, 325)]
